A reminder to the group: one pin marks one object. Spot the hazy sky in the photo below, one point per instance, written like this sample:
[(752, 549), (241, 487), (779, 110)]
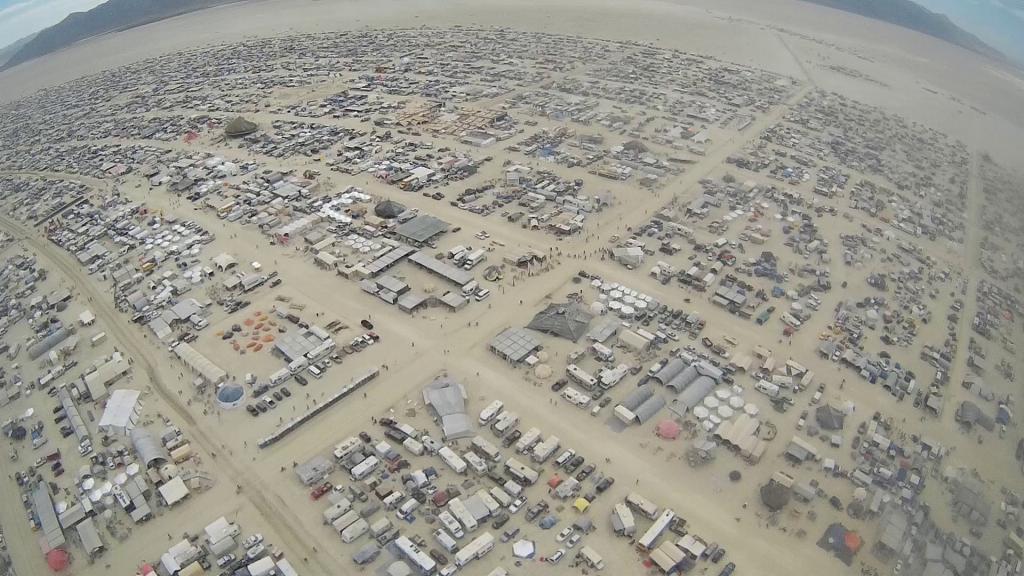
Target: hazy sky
[(997, 22), (19, 18), (1000, 23)]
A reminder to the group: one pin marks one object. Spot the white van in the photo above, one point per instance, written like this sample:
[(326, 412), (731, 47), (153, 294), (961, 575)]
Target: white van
[(315, 372), (470, 288), (407, 508), (482, 294)]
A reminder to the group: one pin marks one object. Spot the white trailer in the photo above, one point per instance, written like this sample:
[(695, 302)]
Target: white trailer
[(345, 520), (527, 440), (492, 505), (478, 548), (334, 512), (646, 542), (453, 460), (545, 449), (513, 488), (380, 526), (505, 421), (346, 447), (417, 557), (413, 446), (364, 468), (449, 521), (642, 505), (475, 462), (445, 540), (520, 472), (767, 388), (485, 449), (355, 530), (501, 496), (462, 514), (623, 521)]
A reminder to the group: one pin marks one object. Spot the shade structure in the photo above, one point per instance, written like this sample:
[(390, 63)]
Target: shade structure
[(751, 409), (667, 429), (542, 371), (736, 403), (723, 393), (701, 412), (88, 483), (524, 549), (711, 402), (724, 412), (708, 425), (57, 559), (120, 479)]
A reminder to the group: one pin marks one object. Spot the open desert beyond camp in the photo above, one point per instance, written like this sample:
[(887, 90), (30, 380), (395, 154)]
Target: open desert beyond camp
[(553, 288)]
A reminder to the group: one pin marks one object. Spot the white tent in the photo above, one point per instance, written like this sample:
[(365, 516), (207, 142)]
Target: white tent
[(524, 549)]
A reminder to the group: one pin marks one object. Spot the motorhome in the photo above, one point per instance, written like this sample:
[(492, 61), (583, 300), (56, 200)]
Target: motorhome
[(527, 440), (520, 472), (642, 505), (453, 460), (491, 412)]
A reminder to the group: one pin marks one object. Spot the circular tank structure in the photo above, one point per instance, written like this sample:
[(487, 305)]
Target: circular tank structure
[(230, 396)]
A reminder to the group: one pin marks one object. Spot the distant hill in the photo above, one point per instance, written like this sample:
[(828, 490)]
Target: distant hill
[(111, 16), (7, 51), (915, 17)]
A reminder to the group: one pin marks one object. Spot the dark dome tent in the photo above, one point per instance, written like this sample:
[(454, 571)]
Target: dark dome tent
[(239, 127)]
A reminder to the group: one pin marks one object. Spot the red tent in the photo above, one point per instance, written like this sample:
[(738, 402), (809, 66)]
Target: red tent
[(57, 559), (667, 429), (554, 482), (852, 541)]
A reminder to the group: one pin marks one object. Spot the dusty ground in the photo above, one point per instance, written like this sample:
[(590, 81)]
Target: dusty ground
[(269, 500)]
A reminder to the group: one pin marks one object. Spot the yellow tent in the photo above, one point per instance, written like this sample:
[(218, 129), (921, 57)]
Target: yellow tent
[(581, 504)]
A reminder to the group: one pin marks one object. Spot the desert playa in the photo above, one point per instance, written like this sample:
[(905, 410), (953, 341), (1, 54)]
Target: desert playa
[(469, 287)]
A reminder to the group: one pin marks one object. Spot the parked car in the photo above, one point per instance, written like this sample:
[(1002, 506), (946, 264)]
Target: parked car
[(573, 540), (605, 484), (728, 570), (225, 560), (557, 556), (587, 471), (252, 541), (500, 520), (718, 555), (301, 380), (564, 534)]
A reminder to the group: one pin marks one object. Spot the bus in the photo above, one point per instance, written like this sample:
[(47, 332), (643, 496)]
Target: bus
[(520, 472)]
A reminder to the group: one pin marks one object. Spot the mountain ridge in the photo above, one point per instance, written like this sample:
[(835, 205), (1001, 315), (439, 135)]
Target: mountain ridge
[(111, 16), (913, 16)]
